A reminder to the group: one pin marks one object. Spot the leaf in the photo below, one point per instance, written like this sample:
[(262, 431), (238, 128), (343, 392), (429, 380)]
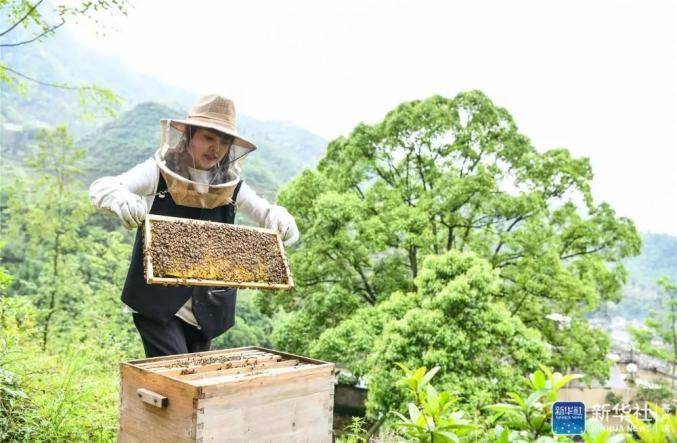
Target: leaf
[(400, 416), (547, 372), (536, 421), (563, 381), (414, 412), (432, 398), (447, 436), (14, 392), (404, 368), (418, 375), (538, 380), (503, 407), (518, 400), (642, 430), (503, 434), (535, 396), (446, 399), (429, 375)]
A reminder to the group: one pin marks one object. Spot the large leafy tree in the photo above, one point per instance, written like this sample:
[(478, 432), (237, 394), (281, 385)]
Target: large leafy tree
[(451, 321), (451, 174)]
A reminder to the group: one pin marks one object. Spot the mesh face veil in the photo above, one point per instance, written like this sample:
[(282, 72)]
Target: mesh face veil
[(189, 180)]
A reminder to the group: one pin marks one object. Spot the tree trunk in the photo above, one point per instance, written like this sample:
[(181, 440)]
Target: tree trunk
[(52, 298)]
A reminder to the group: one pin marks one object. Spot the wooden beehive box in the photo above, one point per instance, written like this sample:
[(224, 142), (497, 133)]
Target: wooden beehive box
[(237, 395), (190, 252)]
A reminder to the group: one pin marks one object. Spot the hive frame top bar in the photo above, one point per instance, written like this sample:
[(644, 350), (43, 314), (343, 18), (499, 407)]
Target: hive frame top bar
[(148, 265), (165, 366)]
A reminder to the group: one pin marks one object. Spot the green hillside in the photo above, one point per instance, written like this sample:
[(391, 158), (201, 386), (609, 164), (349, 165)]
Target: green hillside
[(127, 140), (48, 62), (641, 294), (658, 259), (116, 145)]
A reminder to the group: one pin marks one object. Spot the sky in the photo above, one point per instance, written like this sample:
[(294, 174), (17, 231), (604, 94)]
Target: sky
[(596, 77)]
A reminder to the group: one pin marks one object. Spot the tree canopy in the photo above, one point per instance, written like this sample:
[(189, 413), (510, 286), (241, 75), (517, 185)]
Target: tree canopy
[(450, 174)]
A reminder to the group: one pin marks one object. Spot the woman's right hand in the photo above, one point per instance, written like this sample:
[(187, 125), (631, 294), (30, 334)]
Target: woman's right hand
[(131, 209)]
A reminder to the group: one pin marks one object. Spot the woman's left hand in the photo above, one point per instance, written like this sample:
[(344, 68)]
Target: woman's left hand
[(281, 220)]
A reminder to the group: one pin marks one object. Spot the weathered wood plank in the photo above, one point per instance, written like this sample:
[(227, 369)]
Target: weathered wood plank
[(287, 419), (152, 398), (263, 389), (138, 420), (231, 380)]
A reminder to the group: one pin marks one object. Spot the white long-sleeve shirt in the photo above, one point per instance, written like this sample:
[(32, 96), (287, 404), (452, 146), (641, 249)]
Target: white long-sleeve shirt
[(143, 180)]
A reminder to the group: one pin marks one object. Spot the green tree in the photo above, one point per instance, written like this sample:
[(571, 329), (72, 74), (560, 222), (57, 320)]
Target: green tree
[(450, 174), (659, 338), (45, 216), (452, 322)]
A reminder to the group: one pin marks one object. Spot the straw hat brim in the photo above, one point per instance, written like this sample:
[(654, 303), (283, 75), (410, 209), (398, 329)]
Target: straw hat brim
[(212, 124)]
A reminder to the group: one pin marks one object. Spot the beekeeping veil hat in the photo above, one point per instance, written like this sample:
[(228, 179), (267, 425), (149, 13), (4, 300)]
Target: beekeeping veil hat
[(215, 187)]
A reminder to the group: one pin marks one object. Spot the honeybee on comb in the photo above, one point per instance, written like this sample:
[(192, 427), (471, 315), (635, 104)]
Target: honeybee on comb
[(195, 252)]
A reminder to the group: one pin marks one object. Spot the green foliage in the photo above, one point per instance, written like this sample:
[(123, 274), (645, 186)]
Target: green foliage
[(663, 429), (521, 419), (251, 328), (19, 416), (659, 338), (354, 432), (595, 433), (440, 175), (67, 278), (530, 416), (127, 141), (45, 216), (451, 321), (64, 396), (431, 418), (661, 393)]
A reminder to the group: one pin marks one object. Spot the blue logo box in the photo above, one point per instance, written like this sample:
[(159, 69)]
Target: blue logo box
[(568, 418)]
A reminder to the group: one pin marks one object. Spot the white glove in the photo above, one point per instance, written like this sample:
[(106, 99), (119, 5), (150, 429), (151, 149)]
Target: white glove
[(131, 209), (279, 219)]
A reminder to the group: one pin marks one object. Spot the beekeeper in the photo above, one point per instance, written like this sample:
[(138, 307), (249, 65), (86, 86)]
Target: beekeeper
[(194, 174)]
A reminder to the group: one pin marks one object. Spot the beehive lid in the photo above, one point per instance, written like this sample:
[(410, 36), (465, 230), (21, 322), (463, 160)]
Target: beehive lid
[(190, 252), (230, 365)]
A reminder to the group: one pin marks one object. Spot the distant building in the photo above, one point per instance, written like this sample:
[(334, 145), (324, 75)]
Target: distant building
[(617, 397)]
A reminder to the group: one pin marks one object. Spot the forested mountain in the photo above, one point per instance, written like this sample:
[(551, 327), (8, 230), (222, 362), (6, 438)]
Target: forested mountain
[(50, 62), (116, 144), (641, 294), (658, 259)]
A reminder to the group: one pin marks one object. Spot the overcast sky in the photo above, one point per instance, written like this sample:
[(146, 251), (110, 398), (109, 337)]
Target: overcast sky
[(596, 77)]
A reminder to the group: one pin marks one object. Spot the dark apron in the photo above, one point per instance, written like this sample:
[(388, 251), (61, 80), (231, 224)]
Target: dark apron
[(214, 308)]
